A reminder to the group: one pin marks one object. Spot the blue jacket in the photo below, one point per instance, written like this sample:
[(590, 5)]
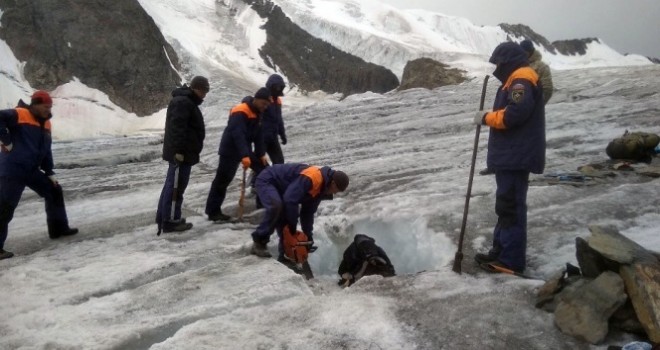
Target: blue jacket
[(302, 188), (272, 122), (31, 143), (517, 123), (243, 130)]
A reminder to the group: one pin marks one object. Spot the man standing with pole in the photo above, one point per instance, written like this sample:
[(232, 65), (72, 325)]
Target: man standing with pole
[(182, 144), (516, 147)]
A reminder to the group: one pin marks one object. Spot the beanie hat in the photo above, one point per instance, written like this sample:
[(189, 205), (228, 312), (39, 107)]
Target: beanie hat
[(41, 97), (527, 46), (200, 83), (341, 179), (262, 93)]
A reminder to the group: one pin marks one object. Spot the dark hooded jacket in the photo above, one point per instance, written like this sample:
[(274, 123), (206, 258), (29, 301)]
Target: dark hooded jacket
[(517, 122), (184, 127), (272, 122), (242, 136), (363, 258)]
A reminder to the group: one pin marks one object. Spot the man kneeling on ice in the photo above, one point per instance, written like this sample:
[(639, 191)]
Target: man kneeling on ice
[(363, 258), (289, 192)]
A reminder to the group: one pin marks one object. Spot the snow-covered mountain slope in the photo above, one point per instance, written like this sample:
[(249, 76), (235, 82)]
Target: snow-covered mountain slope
[(390, 37), (116, 285)]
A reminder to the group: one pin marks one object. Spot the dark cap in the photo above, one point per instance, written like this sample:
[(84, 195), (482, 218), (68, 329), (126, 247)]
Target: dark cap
[(41, 97), (262, 93), (527, 45), (341, 179), (200, 83)]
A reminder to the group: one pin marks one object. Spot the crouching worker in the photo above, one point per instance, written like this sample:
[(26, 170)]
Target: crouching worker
[(26, 160), (363, 258), (290, 192)]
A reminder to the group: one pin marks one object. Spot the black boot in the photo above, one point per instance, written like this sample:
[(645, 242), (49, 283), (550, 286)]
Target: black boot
[(176, 226), (57, 229), (260, 249), (5, 254), (219, 216)]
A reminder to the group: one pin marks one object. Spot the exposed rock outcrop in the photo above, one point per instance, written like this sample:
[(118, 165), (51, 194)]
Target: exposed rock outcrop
[(573, 47), (113, 46), (313, 64), (521, 30), (430, 74)]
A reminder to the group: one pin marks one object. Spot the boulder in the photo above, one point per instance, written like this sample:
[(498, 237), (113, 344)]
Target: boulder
[(429, 74), (608, 242), (642, 282), (585, 312), (591, 262)]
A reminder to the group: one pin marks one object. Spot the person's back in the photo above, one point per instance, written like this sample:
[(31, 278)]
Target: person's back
[(541, 68)]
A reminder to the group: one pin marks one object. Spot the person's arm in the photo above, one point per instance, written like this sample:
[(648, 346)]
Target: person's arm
[(292, 198), (238, 128), (8, 120), (546, 80), (307, 212), (519, 108)]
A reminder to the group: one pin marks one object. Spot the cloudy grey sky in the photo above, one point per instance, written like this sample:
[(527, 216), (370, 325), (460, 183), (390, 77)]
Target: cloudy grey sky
[(628, 26)]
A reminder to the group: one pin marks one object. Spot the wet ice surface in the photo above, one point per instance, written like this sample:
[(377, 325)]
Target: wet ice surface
[(118, 286)]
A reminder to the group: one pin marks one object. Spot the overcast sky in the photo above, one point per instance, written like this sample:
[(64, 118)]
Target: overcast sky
[(628, 26)]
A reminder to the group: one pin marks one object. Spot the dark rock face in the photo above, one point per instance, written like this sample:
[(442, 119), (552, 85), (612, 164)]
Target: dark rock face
[(429, 74), (313, 64), (113, 46), (573, 47), (521, 30)]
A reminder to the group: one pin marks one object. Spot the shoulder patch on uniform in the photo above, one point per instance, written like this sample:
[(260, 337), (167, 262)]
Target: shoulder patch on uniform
[(517, 93)]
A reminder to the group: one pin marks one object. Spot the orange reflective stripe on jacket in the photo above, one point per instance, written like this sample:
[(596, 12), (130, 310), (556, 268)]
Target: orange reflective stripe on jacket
[(314, 174), (243, 108), (495, 119), (26, 118)]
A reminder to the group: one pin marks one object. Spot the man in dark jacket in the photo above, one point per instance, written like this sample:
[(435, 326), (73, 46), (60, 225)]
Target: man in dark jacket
[(516, 147), (182, 144), (26, 160), (363, 258), (290, 192), (242, 133), (273, 125)]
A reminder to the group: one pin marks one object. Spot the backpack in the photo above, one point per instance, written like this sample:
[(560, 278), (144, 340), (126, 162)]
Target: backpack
[(639, 146)]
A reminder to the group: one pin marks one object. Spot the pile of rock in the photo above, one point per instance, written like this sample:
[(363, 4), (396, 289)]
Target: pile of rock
[(617, 285)]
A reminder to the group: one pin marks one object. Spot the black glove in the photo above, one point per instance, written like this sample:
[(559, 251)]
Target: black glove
[(283, 140)]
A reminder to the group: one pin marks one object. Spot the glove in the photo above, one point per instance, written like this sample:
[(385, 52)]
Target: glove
[(479, 117), (53, 180), (246, 162), (311, 248), (283, 140), (178, 158), (6, 148), (346, 280), (264, 160)]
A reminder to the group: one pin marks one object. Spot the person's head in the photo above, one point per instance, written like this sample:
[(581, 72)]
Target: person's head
[(276, 85), (40, 104), (528, 46), (338, 183), (200, 86), (261, 99), (507, 57)]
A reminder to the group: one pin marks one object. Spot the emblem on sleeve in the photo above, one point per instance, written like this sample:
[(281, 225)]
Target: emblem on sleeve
[(518, 93)]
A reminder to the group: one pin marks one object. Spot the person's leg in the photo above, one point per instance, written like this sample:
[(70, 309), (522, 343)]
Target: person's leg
[(56, 218), (11, 189), (275, 152), (165, 202), (511, 208), (225, 173), (184, 178), (272, 202)]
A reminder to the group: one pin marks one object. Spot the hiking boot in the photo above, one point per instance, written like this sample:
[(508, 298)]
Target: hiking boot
[(172, 226), (487, 171), (260, 249), (62, 233), (482, 258), (219, 216), (5, 254)]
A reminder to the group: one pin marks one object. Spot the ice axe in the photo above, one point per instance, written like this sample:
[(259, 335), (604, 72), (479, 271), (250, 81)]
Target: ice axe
[(175, 194), (458, 259), (241, 200)]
